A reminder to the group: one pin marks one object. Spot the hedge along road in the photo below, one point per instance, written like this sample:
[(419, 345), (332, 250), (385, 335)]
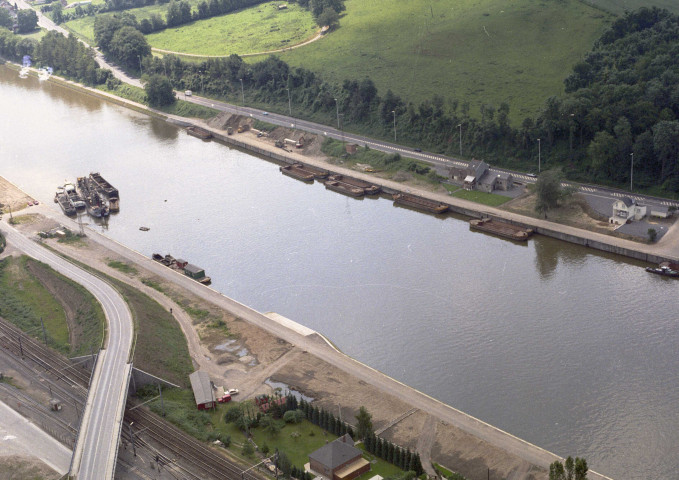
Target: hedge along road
[(97, 445)]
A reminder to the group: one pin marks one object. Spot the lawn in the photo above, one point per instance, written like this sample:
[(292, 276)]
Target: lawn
[(490, 199), (180, 409), (256, 29), (252, 30), (25, 300), (481, 51)]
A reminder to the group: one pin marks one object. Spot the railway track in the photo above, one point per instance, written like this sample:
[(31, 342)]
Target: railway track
[(204, 459)]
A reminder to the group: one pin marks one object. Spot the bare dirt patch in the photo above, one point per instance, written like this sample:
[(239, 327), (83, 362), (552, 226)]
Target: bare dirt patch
[(21, 468), (12, 198)]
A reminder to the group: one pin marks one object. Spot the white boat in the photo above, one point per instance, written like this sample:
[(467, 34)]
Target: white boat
[(24, 72)]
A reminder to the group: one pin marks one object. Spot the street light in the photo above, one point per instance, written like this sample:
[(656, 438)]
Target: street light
[(242, 93), (539, 155), (631, 171), (394, 113), (140, 72), (337, 107), (460, 127), (289, 103)]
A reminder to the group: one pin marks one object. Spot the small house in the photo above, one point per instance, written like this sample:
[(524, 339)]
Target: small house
[(282, 6), (626, 209), (193, 271), (202, 390), (495, 181), (469, 175), (351, 148), (338, 460)]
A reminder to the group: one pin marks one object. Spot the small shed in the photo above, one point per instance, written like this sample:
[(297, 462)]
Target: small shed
[(351, 148), (659, 211), (202, 390), (193, 271)]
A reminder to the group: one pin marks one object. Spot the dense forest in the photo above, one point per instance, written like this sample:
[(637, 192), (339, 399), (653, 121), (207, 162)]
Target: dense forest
[(621, 103)]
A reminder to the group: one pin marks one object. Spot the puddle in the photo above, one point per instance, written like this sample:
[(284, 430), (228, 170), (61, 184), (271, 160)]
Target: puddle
[(285, 389), (228, 346), (242, 352)]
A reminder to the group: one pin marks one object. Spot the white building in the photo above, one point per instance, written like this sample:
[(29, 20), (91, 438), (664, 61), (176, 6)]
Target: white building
[(625, 209)]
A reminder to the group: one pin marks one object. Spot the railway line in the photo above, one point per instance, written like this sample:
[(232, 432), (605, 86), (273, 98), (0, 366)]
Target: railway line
[(150, 431)]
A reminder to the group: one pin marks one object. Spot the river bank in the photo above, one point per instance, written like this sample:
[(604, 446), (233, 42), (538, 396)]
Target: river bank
[(304, 360)]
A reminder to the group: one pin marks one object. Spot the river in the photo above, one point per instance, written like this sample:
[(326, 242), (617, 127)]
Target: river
[(565, 347)]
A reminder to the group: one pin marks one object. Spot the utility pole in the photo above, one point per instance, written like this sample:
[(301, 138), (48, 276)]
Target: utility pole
[(44, 332), (337, 108), (393, 112), (242, 94), (134, 449), (539, 155), (162, 405), (460, 127), (289, 103), (631, 171)]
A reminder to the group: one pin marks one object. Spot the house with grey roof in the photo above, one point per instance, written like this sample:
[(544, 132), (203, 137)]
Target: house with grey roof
[(338, 460), (627, 209)]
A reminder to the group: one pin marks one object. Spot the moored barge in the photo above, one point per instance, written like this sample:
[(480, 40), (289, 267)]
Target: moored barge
[(192, 271), (345, 188), (64, 202), (368, 188), (295, 171), (199, 133), (664, 271), (108, 190), (318, 173), (420, 203), (501, 229), (96, 205)]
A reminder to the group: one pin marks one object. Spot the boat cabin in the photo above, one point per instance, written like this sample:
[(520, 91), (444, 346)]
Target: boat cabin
[(194, 272)]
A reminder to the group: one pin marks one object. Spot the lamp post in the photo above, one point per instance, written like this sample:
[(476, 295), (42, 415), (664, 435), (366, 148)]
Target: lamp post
[(393, 112), (631, 171), (140, 72), (460, 127), (539, 159), (337, 108), (242, 93), (289, 103)]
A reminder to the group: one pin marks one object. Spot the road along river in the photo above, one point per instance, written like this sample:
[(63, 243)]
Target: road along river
[(567, 348)]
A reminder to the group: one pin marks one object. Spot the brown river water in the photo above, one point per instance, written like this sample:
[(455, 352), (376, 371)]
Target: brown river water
[(570, 349)]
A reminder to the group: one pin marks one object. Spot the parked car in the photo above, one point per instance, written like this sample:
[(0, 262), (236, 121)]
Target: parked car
[(225, 398), (417, 149), (188, 93), (233, 391)]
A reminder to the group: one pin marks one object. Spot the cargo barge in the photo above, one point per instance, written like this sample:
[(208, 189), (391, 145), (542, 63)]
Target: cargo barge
[(318, 173), (501, 229), (345, 188), (74, 197), (108, 190), (191, 271), (199, 133), (96, 204), (296, 172), (420, 203), (64, 202), (368, 188)]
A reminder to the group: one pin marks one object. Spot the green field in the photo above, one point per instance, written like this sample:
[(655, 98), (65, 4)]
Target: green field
[(618, 7), (257, 29), (479, 51)]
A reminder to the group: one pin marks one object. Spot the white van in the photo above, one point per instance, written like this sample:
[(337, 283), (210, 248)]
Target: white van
[(188, 93)]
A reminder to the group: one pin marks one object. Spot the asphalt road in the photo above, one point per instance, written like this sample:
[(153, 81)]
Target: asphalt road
[(96, 451)]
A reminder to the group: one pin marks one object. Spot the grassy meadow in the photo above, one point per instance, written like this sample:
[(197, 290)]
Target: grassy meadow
[(479, 51), (256, 29)]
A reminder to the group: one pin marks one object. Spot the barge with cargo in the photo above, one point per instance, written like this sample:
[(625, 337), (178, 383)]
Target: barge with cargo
[(107, 190), (297, 172), (368, 188), (419, 203), (345, 188), (96, 204), (501, 229), (191, 271)]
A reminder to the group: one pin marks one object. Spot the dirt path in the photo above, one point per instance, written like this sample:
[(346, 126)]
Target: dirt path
[(424, 444), (318, 36)]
